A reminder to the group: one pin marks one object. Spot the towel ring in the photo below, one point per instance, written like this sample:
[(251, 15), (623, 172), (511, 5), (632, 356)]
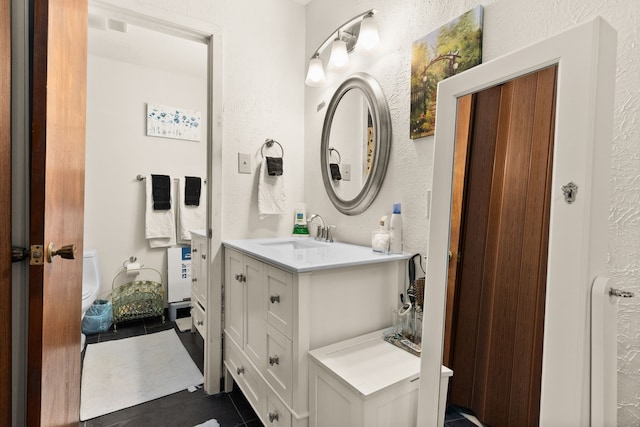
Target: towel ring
[(269, 143), (337, 152)]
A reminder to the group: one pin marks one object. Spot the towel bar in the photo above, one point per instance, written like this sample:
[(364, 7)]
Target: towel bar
[(141, 177)]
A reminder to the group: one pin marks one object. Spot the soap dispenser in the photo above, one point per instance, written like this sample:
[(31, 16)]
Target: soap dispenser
[(380, 237)]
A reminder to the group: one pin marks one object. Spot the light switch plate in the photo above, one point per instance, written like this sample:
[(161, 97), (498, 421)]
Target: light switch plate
[(244, 163), (345, 172)]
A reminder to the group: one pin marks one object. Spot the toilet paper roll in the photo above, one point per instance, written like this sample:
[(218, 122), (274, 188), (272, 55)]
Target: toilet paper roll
[(133, 268)]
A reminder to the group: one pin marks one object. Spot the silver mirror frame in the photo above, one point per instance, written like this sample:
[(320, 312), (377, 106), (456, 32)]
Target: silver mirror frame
[(381, 119)]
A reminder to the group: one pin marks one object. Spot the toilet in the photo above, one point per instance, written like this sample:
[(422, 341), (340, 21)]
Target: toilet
[(90, 283)]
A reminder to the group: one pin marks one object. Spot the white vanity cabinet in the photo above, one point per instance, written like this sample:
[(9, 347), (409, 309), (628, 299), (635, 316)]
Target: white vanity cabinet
[(199, 281), (276, 311)]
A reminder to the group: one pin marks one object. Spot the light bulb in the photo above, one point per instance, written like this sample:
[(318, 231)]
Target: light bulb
[(368, 39), (315, 74), (339, 58)]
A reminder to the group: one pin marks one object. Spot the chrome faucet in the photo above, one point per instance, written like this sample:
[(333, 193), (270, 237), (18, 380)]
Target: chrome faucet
[(321, 228), (323, 231)]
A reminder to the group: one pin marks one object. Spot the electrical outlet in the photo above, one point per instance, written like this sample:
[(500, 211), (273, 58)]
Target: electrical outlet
[(244, 163), (345, 172)]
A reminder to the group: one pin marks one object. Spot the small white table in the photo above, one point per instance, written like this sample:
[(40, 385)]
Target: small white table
[(366, 381)]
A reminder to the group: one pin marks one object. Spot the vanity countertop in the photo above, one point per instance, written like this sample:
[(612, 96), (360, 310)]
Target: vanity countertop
[(305, 254)]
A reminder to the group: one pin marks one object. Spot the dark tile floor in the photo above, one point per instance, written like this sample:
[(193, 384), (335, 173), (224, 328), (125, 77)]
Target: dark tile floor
[(454, 418), (192, 408), (179, 409)]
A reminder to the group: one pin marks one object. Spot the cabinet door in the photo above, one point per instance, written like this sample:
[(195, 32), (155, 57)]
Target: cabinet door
[(279, 300), (199, 276), (279, 368), (234, 296), (255, 343)]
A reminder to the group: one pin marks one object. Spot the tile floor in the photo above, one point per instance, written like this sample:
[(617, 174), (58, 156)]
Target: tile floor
[(189, 409)]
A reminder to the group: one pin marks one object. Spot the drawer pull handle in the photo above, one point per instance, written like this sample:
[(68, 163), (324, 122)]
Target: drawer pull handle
[(274, 416), (240, 370), (274, 299), (241, 278), (194, 279), (199, 323), (274, 360)]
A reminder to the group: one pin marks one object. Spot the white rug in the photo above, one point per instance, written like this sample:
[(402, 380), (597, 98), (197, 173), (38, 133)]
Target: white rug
[(123, 373), (210, 423)]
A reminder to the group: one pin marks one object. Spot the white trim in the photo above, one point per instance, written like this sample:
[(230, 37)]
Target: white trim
[(577, 243), (210, 34)]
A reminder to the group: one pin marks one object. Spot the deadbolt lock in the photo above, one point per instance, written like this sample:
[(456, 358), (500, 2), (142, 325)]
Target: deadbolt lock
[(66, 252)]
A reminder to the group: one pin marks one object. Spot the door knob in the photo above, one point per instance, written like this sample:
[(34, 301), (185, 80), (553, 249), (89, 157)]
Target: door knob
[(66, 252)]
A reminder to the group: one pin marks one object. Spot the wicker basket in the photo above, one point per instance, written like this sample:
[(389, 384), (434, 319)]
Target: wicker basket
[(139, 298)]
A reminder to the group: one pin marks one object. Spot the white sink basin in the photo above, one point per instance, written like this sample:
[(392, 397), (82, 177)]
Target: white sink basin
[(295, 244)]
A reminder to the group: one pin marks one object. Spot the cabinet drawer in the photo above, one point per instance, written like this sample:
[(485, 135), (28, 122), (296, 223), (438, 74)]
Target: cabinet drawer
[(279, 297), (279, 363), (276, 413), (245, 375), (199, 318)]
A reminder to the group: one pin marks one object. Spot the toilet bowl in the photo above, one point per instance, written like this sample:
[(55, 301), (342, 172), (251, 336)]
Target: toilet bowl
[(90, 283)]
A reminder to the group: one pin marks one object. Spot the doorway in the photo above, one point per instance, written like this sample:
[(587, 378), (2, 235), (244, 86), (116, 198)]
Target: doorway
[(141, 55)]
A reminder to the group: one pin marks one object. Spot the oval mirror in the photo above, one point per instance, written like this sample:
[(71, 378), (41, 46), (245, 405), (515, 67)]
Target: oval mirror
[(356, 142)]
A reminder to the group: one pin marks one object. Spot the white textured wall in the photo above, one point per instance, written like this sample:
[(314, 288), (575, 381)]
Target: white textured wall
[(263, 98), (508, 25)]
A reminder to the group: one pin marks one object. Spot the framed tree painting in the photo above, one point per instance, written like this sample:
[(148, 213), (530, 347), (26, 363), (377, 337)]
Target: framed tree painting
[(449, 50)]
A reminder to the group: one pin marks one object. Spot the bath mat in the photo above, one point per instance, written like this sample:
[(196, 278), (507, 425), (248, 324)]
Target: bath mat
[(184, 324), (123, 373)]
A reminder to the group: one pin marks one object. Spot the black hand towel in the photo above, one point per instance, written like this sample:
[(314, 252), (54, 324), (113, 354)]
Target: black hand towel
[(161, 192), (335, 171), (192, 187), (274, 166)]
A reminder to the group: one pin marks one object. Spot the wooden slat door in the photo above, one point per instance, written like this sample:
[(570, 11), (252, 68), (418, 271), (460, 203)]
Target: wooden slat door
[(5, 213), (498, 335), (57, 209)]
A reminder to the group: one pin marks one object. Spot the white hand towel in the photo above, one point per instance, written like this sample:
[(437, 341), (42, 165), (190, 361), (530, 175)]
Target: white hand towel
[(272, 199), (160, 226), (190, 217)]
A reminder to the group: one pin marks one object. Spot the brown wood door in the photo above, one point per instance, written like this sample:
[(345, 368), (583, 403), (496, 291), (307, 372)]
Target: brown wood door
[(5, 213), (57, 209), (498, 320)]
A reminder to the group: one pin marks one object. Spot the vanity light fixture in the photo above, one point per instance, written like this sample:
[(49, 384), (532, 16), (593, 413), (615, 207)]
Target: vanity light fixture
[(369, 37), (315, 75), (339, 58), (359, 32)]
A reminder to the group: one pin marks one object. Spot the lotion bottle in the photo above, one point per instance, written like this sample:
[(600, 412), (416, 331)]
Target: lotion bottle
[(395, 230)]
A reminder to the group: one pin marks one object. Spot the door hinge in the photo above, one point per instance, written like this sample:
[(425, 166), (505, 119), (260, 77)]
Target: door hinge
[(35, 254)]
